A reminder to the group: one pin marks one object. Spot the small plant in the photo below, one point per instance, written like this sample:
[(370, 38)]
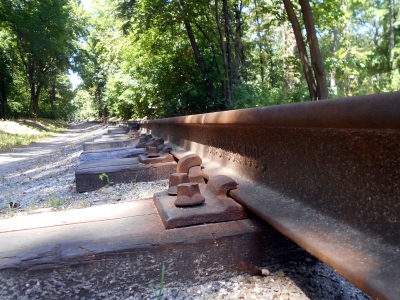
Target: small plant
[(104, 175), (159, 295), (56, 203), (11, 211), (133, 182), (85, 203), (31, 207)]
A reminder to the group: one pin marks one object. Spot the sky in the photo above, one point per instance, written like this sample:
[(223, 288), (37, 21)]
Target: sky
[(87, 3), (74, 77)]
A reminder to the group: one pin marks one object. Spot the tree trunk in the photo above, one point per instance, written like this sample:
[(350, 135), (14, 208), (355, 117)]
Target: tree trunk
[(226, 94), (334, 50), (4, 98), (200, 63), (214, 56), (376, 34), (105, 112), (35, 95), (260, 44), (228, 51), (316, 58), (238, 41), (210, 88), (312, 88), (391, 34), (35, 88), (285, 82), (53, 98)]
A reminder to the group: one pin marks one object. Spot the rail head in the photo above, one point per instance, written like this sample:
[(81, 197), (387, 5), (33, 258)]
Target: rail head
[(378, 111)]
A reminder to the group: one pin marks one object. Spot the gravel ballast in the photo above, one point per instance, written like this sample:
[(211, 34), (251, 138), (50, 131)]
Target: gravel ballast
[(40, 178)]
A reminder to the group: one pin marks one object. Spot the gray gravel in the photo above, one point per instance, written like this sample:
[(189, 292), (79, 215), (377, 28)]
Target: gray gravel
[(40, 178)]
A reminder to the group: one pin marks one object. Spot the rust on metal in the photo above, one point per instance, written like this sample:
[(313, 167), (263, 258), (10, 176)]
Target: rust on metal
[(151, 152), (145, 138), (188, 194), (324, 173), (195, 174), (166, 148), (161, 158), (174, 180), (217, 207), (135, 133), (153, 142), (188, 161)]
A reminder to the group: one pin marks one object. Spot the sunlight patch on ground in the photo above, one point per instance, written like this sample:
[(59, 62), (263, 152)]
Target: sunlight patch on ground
[(12, 127)]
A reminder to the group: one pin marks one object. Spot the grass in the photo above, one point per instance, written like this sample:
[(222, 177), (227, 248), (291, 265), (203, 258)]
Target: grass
[(57, 203), (7, 211), (158, 293), (25, 132)]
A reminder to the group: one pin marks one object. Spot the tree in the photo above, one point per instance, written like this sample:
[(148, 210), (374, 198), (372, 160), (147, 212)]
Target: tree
[(199, 59), (5, 71), (44, 32), (166, 58), (312, 87), (319, 90)]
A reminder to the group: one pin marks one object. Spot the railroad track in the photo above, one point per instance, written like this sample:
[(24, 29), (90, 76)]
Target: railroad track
[(326, 174)]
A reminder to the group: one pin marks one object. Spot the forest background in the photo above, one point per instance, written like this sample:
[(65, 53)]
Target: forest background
[(162, 58)]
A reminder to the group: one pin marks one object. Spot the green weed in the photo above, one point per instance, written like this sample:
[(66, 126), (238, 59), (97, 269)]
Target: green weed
[(31, 208), (54, 202), (158, 294), (85, 203), (104, 175)]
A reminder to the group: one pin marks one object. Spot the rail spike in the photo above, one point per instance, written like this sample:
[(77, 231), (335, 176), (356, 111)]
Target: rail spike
[(151, 152), (167, 148), (174, 180), (188, 161), (154, 142), (189, 195), (220, 185)]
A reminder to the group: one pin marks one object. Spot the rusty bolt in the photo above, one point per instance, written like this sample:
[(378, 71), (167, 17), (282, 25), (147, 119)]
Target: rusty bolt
[(196, 175), (189, 195), (151, 152), (153, 142), (174, 180), (145, 138)]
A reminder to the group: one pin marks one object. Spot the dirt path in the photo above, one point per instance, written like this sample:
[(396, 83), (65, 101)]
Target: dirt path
[(20, 157)]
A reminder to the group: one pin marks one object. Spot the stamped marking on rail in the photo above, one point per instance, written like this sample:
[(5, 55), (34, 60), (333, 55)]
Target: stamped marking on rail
[(238, 153)]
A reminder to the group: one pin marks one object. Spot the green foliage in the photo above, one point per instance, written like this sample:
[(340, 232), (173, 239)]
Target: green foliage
[(104, 175), (158, 294), (41, 40), (136, 60), (57, 203)]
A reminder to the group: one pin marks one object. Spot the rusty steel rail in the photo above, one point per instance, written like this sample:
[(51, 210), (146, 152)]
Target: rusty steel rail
[(326, 174)]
